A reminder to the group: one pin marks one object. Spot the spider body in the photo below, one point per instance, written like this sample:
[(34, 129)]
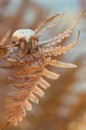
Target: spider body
[(24, 44), (35, 55), (25, 34)]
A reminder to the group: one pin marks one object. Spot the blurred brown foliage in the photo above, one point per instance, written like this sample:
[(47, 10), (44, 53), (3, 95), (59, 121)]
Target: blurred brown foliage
[(65, 102)]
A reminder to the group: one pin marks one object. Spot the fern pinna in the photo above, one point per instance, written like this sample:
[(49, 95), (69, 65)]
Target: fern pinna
[(32, 56)]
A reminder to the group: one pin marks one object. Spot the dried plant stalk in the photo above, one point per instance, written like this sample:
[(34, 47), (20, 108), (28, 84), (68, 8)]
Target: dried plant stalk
[(30, 80)]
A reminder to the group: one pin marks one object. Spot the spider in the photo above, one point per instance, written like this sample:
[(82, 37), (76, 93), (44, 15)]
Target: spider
[(31, 56)]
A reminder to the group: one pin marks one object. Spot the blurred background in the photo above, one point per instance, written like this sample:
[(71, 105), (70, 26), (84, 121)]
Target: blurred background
[(64, 104)]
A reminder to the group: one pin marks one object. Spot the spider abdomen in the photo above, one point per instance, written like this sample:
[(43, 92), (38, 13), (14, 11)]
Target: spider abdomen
[(26, 34)]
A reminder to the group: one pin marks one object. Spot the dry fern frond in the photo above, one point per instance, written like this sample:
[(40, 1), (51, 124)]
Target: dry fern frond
[(34, 59)]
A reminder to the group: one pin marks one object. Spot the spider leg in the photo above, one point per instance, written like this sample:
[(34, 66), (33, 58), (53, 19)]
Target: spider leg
[(61, 36), (51, 25), (45, 22), (69, 47), (59, 50), (40, 32)]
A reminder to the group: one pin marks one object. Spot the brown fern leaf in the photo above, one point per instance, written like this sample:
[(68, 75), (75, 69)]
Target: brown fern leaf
[(27, 89), (29, 82)]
